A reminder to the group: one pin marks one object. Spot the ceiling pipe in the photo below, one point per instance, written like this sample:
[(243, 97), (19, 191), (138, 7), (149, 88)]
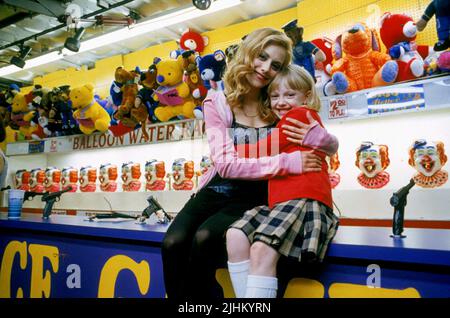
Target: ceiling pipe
[(60, 26)]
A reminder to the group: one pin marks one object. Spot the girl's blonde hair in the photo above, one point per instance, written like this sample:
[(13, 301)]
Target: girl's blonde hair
[(235, 81), (299, 79)]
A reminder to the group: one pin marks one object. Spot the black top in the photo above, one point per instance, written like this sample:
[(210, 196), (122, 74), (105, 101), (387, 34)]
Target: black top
[(240, 188)]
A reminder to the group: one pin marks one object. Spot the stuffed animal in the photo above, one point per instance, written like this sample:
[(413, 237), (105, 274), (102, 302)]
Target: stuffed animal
[(428, 158), (323, 68), (191, 40), (22, 180), (108, 177), (52, 179), (359, 63), (21, 116), (372, 160), (437, 63), (145, 95), (88, 113), (303, 52), (211, 67), (69, 178), (182, 174), (398, 33), (87, 179), (64, 104), (173, 94), (37, 177), (131, 172), (440, 8), (191, 76), (154, 175)]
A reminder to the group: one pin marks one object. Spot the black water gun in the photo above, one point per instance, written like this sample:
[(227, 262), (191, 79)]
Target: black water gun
[(398, 201), (50, 198)]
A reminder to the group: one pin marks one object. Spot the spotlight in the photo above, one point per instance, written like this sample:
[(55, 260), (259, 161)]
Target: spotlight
[(19, 61), (73, 43), (201, 4)]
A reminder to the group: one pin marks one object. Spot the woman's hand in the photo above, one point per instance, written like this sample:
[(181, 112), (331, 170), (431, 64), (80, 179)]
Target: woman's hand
[(298, 130), (311, 162)]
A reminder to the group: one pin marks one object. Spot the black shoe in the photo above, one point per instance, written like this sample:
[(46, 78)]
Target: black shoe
[(442, 45)]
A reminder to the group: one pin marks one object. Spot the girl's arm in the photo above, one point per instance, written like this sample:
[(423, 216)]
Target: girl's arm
[(313, 135), (225, 157)]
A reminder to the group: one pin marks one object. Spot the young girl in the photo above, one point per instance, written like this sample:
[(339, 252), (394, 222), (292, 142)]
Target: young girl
[(194, 246), (298, 222)]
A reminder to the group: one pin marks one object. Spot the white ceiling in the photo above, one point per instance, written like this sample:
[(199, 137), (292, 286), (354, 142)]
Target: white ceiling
[(27, 27)]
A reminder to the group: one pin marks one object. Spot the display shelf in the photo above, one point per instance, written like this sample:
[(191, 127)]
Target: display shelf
[(171, 201), (172, 131), (430, 93)]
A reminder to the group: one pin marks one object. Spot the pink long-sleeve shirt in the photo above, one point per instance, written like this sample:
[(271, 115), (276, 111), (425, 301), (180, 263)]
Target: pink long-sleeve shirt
[(225, 157)]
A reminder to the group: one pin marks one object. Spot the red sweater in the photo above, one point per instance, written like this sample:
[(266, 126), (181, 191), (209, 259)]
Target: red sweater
[(310, 185)]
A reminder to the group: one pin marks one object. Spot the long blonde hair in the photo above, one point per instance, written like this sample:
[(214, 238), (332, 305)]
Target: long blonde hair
[(235, 81), (299, 79)]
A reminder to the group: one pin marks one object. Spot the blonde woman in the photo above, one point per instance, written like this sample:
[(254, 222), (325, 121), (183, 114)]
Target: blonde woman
[(194, 244)]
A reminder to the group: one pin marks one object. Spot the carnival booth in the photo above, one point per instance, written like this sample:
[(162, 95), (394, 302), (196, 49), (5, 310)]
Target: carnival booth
[(105, 162)]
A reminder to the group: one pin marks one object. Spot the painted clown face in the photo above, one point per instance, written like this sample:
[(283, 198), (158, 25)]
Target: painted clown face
[(370, 161), (426, 158)]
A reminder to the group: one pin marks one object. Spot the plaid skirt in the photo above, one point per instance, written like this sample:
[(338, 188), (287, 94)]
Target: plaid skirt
[(301, 229)]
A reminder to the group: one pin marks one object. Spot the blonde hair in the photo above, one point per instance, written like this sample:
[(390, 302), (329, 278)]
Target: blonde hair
[(299, 79), (235, 81)]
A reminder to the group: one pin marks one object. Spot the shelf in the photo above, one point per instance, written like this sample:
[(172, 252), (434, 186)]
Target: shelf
[(158, 133), (430, 93)]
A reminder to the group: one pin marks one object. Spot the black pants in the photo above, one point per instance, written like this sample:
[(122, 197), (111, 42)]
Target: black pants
[(194, 245)]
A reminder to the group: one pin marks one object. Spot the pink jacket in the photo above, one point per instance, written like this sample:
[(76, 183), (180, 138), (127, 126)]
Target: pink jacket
[(225, 158)]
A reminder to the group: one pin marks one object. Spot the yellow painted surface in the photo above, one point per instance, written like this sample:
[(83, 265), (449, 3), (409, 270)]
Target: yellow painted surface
[(319, 18), (304, 288), (223, 278), (331, 18), (341, 290)]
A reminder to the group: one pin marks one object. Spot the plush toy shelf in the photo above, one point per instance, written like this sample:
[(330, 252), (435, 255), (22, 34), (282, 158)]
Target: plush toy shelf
[(430, 93), (172, 131)]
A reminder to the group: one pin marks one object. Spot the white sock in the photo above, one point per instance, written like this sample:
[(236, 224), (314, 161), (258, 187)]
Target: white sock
[(238, 274), (261, 287)]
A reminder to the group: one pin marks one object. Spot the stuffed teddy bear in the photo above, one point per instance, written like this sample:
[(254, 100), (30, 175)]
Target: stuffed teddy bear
[(440, 8), (88, 113), (359, 64), (212, 67), (145, 94), (398, 33), (172, 94), (21, 116), (191, 40), (192, 78)]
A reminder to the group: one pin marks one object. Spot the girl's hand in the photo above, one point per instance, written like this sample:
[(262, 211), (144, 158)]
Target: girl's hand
[(298, 130), (311, 162)]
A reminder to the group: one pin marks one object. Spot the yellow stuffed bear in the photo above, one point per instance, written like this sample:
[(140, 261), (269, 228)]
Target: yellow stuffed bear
[(173, 94), (22, 116), (88, 113)]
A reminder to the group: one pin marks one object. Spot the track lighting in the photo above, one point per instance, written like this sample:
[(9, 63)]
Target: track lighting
[(73, 43), (19, 61), (201, 4)]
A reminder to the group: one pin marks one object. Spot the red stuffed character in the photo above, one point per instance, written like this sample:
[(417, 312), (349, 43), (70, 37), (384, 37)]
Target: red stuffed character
[(398, 32), (191, 40)]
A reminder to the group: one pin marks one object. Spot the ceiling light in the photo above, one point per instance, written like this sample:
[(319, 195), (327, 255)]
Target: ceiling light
[(73, 43), (19, 61), (126, 33), (201, 4)]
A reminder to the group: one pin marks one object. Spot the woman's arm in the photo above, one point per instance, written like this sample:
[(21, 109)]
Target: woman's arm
[(313, 135), (226, 159)]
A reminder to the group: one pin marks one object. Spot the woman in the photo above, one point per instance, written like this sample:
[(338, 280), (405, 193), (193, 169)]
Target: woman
[(194, 244)]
